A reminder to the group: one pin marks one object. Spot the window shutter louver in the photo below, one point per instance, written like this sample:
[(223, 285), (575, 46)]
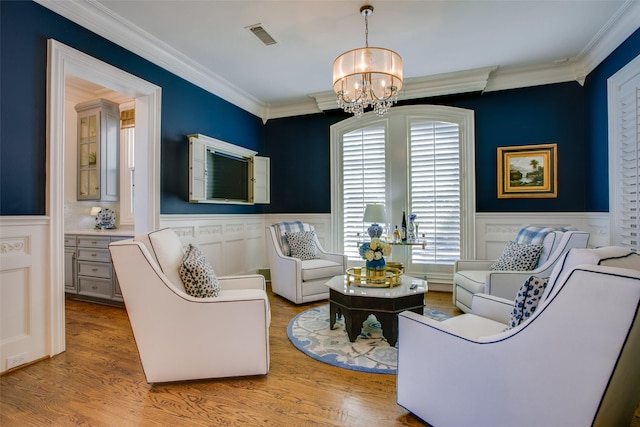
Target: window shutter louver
[(435, 190), (364, 181), (628, 179)]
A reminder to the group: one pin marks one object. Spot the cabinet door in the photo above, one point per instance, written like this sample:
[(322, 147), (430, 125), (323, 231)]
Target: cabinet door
[(88, 156), (69, 270), (261, 183), (197, 170)]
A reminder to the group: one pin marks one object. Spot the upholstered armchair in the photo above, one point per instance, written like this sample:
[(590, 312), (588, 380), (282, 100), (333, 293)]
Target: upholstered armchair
[(573, 362), (476, 276), (299, 271), (182, 337)]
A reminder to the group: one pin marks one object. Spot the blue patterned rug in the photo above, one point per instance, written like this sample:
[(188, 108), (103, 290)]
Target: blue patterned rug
[(309, 332)]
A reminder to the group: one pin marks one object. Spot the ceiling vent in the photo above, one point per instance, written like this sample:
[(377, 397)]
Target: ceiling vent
[(261, 33)]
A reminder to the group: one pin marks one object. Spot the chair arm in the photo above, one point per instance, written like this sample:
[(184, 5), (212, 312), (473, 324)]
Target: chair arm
[(249, 281), (492, 307), (472, 264), (338, 258), (505, 284)]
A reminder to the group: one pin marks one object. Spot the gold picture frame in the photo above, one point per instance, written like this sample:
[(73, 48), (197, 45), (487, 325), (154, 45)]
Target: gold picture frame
[(528, 171)]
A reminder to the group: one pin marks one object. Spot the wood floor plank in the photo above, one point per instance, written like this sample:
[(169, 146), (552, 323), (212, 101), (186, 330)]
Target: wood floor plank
[(99, 381)]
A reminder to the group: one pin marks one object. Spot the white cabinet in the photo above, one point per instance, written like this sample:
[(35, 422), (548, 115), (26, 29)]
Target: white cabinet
[(220, 172), (98, 150), (89, 273)]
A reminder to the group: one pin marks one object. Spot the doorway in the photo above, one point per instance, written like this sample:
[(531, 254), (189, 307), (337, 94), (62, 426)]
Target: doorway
[(65, 61)]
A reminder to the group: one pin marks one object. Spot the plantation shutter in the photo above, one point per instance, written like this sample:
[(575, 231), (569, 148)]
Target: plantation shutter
[(627, 182), (363, 169), (435, 190)]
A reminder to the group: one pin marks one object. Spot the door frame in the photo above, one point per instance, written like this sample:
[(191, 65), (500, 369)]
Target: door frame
[(63, 60)]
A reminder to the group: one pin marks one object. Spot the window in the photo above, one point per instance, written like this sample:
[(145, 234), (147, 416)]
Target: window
[(127, 164), (624, 155), (410, 160), (435, 189)]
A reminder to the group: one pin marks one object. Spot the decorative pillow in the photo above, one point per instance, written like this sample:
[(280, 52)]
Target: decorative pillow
[(517, 257), (527, 300), (197, 274), (303, 244)]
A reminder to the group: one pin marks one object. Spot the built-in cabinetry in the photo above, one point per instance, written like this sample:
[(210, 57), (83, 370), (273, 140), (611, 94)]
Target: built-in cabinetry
[(89, 272), (220, 172), (98, 147)]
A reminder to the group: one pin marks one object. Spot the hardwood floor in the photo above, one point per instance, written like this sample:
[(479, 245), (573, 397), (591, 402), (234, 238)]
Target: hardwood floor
[(98, 381)]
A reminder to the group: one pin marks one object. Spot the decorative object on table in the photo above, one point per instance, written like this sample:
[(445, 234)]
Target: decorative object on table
[(374, 214), (373, 253), (396, 235), (105, 219), (309, 332), (528, 171), (403, 230), (386, 278), (413, 229), (367, 77)]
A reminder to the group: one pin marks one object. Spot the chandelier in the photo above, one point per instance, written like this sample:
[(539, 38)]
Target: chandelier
[(368, 76)]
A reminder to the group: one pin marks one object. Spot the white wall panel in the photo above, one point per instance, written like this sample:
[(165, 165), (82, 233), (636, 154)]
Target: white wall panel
[(24, 290)]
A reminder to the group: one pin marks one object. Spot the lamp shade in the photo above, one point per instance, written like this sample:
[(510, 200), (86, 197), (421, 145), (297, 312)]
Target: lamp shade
[(374, 213)]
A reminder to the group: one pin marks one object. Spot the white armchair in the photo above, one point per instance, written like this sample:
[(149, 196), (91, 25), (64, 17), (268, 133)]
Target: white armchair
[(572, 363), (180, 337), (474, 276), (295, 279)]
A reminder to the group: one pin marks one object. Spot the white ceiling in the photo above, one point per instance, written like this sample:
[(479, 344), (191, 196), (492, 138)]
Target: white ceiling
[(433, 37)]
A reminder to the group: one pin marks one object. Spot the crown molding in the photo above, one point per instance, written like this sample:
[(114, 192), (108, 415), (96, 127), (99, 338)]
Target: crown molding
[(93, 16), (617, 30), (100, 20)]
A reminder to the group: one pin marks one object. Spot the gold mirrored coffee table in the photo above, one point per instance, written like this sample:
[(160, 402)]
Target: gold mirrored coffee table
[(357, 302)]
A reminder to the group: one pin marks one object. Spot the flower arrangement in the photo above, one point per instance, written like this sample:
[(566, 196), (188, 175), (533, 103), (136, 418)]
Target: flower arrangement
[(374, 252)]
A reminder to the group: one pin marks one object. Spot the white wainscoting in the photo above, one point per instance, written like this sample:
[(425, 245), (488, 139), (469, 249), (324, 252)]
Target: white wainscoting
[(235, 244), (24, 290), (494, 230)]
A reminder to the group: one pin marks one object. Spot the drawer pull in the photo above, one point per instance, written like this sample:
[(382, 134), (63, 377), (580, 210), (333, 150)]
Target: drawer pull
[(94, 287), (94, 255), (94, 269)]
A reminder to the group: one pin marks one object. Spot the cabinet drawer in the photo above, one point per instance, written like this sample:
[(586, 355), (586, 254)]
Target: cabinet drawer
[(99, 255), (93, 242), (94, 269), (101, 288), (69, 240)]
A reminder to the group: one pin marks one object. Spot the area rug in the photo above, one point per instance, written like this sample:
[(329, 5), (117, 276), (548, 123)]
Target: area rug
[(309, 332)]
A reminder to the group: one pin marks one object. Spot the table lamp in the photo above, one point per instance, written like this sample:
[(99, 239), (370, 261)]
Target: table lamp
[(374, 214)]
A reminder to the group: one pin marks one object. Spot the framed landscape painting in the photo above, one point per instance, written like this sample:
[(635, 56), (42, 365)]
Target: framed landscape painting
[(528, 171)]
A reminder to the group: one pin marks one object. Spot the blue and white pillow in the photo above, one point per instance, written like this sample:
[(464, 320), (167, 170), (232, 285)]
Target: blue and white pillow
[(527, 300)]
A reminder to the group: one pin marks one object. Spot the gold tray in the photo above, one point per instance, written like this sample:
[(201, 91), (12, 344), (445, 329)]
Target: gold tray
[(387, 278)]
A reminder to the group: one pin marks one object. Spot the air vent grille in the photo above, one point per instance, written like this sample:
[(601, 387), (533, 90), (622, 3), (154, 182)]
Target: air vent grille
[(261, 33)]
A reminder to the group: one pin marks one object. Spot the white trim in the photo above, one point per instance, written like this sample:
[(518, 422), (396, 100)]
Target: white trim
[(64, 60), (614, 88), (97, 18)]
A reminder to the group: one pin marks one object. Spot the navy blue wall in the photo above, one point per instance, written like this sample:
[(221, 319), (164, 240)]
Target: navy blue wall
[(537, 115), (568, 114), (597, 130), (25, 28)]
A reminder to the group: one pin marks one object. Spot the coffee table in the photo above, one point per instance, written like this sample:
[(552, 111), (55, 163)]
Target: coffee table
[(357, 302)]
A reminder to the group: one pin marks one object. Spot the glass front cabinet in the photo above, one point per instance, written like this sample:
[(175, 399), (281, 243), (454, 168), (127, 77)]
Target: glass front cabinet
[(98, 141)]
